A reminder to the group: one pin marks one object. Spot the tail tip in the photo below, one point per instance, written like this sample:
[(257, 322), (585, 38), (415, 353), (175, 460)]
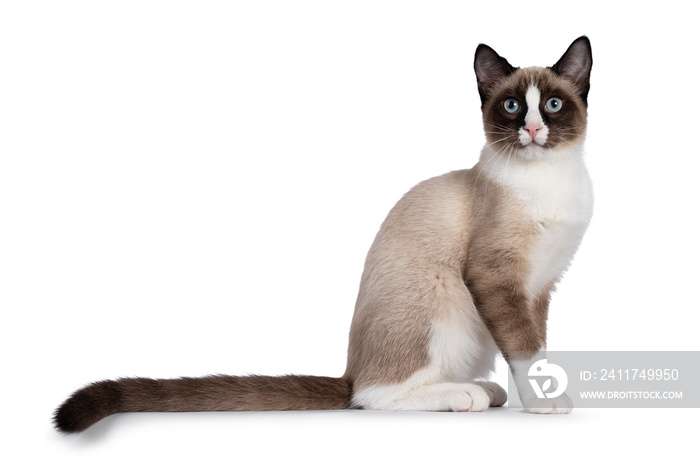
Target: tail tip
[(67, 421), (87, 406)]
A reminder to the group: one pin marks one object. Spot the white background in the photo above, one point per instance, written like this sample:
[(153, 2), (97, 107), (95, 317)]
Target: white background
[(190, 188)]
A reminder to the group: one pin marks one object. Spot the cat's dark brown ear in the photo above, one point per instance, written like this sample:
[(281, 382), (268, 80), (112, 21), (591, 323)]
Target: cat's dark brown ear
[(575, 65), (490, 68)]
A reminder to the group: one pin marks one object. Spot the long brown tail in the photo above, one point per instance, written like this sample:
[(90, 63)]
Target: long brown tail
[(215, 393)]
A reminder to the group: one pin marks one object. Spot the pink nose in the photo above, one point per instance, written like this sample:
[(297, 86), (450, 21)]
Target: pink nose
[(533, 128)]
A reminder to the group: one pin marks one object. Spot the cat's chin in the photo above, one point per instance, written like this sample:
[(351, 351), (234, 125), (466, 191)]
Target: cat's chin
[(537, 152), (534, 151)]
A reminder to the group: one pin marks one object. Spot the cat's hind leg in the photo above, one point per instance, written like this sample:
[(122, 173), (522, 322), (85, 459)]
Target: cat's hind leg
[(446, 336), (445, 396), (497, 395)]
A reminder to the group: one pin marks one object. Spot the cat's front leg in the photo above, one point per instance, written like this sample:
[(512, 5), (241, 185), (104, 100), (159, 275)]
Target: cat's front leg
[(518, 326)]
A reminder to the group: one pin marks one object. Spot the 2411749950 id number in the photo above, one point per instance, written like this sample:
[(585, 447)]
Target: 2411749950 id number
[(631, 374)]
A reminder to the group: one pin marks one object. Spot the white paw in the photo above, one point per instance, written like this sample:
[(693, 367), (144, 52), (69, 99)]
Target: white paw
[(472, 398), (559, 405)]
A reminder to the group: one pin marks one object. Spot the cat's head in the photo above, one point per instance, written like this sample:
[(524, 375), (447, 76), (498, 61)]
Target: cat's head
[(534, 112)]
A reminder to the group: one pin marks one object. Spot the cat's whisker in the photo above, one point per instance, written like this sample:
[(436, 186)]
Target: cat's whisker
[(512, 147), (488, 178), (499, 153), (497, 126), (476, 181), (501, 127), (496, 142)]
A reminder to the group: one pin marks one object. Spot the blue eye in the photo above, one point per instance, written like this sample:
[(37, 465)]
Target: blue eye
[(511, 105), (553, 105)]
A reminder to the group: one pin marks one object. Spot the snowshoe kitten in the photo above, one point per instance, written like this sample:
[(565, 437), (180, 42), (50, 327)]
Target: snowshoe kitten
[(461, 269)]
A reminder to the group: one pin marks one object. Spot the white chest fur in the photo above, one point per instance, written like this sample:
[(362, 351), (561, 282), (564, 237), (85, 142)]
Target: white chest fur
[(551, 254), (557, 195)]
